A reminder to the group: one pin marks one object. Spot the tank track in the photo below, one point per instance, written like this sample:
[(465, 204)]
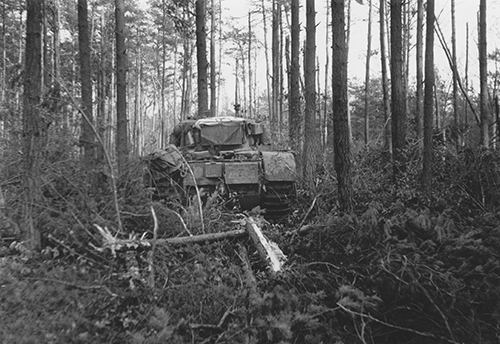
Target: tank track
[(277, 198)]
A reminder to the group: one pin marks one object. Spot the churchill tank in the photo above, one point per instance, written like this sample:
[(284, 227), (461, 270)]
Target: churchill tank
[(229, 156)]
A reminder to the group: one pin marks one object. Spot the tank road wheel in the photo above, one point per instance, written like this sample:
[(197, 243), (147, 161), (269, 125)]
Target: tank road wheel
[(277, 198)]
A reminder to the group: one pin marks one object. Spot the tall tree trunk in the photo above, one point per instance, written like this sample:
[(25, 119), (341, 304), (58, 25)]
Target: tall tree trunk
[(483, 76), (428, 102), (266, 51), (4, 54), (122, 145), (34, 126), (385, 81), (367, 72), (341, 145), (20, 53), (162, 116), (45, 54), (101, 91), (201, 57), (455, 76), (466, 114), (311, 142), (250, 112), (420, 64), (87, 136), (398, 94), (327, 65), (56, 65), (294, 98), (276, 67), (219, 78), (213, 69)]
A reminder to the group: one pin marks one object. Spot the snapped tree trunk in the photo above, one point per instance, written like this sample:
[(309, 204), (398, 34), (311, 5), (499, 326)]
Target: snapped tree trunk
[(122, 148), (397, 87), (294, 98), (201, 57), (87, 136), (34, 125), (428, 101), (341, 144)]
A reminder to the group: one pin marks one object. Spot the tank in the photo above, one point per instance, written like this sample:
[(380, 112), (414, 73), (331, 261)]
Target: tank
[(228, 156)]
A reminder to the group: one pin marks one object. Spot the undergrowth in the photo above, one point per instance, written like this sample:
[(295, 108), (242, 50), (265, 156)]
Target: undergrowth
[(404, 267)]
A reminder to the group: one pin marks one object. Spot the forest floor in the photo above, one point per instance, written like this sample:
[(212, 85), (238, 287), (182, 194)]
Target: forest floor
[(404, 267)]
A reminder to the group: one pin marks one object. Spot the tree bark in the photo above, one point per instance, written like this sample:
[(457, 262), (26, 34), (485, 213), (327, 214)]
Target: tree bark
[(455, 76), (367, 73), (420, 63), (249, 58), (266, 51), (34, 125), (4, 54), (483, 76), (213, 73), (201, 57), (397, 87), (311, 148), (122, 145), (341, 144), (385, 81), (466, 113), (294, 98), (87, 136), (428, 101), (276, 68)]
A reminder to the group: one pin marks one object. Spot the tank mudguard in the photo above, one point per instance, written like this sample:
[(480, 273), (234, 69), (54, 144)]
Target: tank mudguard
[(279, 166)]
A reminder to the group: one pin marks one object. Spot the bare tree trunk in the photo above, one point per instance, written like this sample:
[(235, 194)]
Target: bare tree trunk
[(455, 76), (311, 148), (325, 98), (4, 54), (101, 91), (385, 81), (34, 126), (213, 73), (162, 72), (201, 57), (420, 64), (294, 119), (20, 53), (276, 68), (270, 105), (398, 94), (367, 72), (219, 85), (250, 99), (342, 150), (483, 76), (466, 114), (428, 109), (122, 144), (56, 64), (87, 136)]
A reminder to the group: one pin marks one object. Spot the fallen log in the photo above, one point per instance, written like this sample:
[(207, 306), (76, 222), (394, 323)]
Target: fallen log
[(268, 250), (115, 244)]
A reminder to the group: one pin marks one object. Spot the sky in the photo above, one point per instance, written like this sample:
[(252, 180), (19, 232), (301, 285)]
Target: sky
[(466, 12)]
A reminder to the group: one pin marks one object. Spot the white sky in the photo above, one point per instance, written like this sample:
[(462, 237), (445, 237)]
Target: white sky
[(466, 12)]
